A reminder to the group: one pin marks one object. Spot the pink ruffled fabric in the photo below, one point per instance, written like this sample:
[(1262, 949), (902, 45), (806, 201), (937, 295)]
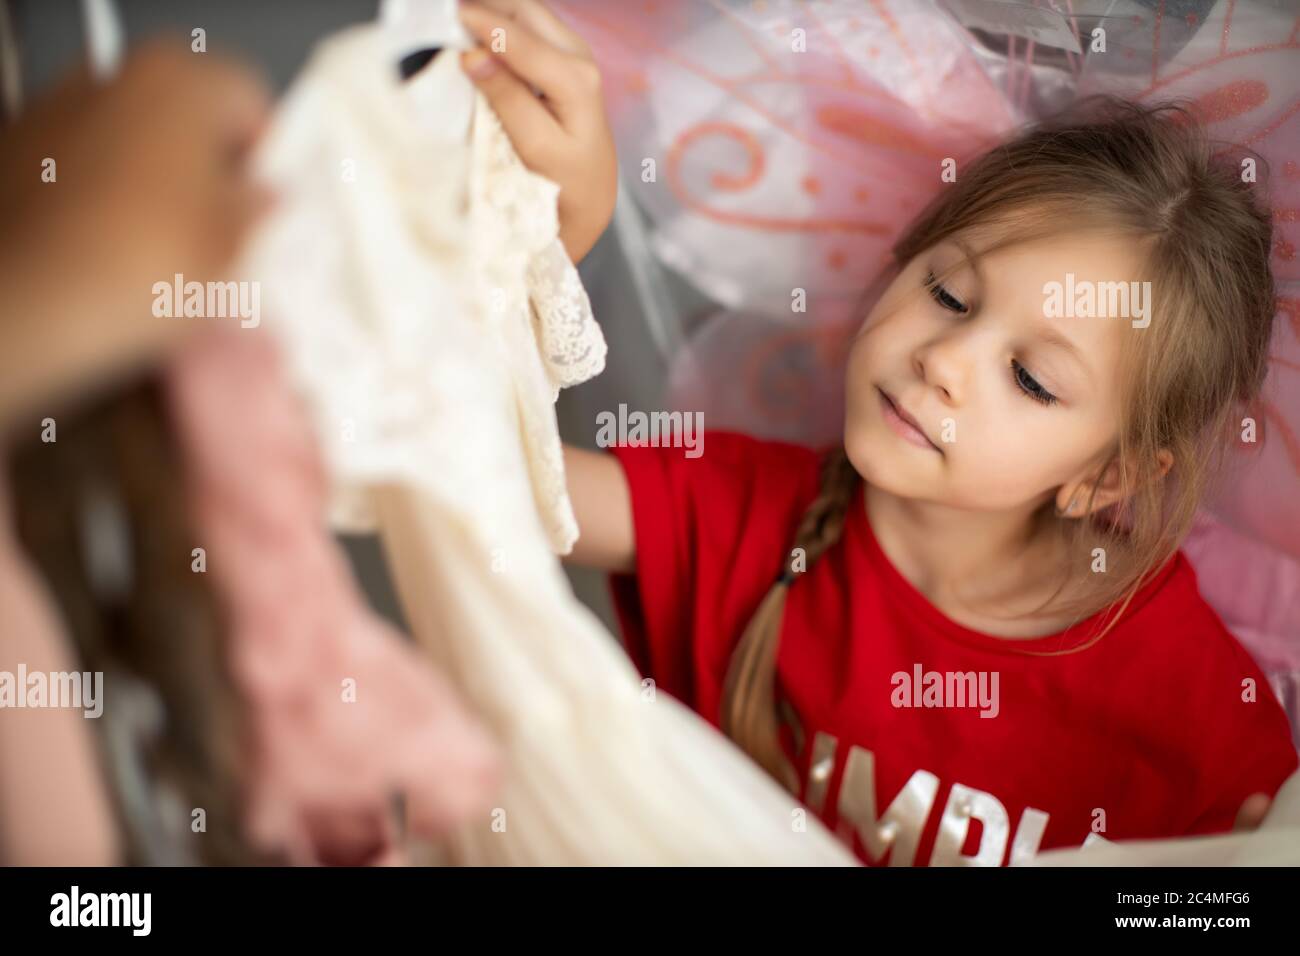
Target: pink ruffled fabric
[(324, 769), (1254, 590)]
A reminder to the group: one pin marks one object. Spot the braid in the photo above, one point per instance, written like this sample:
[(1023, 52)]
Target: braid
[(749, 714), (823, 522)]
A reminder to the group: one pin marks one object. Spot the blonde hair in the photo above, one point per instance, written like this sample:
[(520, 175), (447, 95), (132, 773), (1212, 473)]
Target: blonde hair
[(1149, 173)]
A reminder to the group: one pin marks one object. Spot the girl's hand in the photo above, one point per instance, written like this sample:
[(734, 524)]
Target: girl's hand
[(541, 79), (1253, 810)]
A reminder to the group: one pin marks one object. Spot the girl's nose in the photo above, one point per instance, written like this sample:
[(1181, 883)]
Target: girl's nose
[(943, 364)]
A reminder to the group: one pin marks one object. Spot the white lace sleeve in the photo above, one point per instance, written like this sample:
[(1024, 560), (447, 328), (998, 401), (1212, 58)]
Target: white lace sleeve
[(537, 304), (568, 337)]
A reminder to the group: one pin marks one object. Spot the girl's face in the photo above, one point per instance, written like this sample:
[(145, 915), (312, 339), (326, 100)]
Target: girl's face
[(1013, 408)]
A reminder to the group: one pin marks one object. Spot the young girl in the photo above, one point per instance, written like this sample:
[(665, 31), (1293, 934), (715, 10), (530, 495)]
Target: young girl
[(968, 634)]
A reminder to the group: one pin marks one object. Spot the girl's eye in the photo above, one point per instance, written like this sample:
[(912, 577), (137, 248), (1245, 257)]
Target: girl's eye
[(943, 296), (1025, 382)]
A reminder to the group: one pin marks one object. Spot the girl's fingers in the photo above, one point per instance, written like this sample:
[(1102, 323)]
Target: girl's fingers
[(526, 120), (541, 20), (567, 81), (1253, 810)]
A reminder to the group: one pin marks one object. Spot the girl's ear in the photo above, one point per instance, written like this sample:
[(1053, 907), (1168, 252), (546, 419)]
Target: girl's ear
[(1075, 499), (1164, 462)]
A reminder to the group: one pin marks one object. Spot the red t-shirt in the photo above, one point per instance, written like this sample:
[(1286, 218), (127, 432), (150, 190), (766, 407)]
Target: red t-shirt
[(1150, 732)]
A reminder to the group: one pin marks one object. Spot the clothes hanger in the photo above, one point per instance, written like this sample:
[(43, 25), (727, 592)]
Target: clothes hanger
[(414, 33), (418, 30)]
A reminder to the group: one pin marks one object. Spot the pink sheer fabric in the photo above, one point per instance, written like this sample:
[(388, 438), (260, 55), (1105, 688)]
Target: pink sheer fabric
[(345, 715)]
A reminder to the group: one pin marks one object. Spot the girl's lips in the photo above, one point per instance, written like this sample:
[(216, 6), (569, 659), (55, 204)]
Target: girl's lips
[(905, 427)]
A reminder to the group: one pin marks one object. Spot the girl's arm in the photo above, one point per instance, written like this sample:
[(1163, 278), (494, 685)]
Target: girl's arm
[(602, 504)]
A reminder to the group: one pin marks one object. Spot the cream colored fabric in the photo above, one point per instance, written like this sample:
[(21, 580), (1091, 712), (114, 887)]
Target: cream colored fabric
[(430, 317), (384, 227), (1275, 843)]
